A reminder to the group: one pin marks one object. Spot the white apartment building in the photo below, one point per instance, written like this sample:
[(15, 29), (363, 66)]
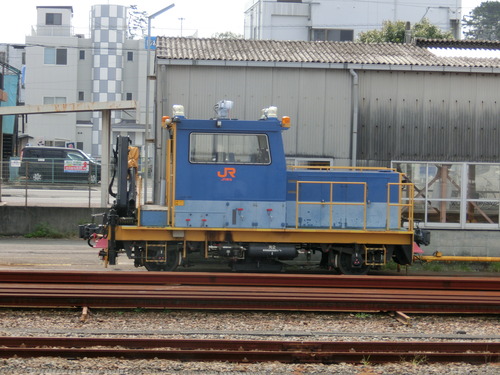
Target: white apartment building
[(63, 67), (342, 20)]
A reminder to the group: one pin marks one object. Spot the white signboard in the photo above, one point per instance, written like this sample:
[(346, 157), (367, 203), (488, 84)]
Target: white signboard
[(76, 166)]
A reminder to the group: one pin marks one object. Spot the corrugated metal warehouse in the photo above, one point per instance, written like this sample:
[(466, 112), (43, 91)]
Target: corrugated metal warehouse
[(401, 105), (411, 104)]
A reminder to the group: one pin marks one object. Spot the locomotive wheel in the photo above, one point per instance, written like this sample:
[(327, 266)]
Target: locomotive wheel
[(345, 266), (171, 264)]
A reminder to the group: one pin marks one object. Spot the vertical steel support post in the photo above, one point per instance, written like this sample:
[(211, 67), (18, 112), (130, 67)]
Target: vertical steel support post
[(106, 147), (153, 130)]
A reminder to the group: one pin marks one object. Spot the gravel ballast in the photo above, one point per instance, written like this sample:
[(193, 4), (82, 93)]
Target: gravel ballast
[(285, 326)]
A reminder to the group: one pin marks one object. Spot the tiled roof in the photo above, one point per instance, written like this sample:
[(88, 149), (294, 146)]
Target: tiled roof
[(308, 52), (449, 43)]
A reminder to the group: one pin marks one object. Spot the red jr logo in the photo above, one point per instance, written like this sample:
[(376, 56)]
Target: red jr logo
[(228, 174)]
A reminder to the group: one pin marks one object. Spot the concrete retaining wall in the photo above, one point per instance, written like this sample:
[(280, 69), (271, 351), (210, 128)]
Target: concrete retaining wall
[(19, 220), (484, 243)]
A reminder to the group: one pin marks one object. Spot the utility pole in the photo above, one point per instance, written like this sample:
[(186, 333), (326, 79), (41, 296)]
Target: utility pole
[(147, 130), (181, 19)]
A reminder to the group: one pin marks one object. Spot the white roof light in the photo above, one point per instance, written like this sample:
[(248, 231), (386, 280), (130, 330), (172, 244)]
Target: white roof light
[(178, 110), (270, 112)]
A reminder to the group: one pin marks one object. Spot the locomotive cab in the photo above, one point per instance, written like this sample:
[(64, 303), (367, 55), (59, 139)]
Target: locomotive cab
[(228, 173)]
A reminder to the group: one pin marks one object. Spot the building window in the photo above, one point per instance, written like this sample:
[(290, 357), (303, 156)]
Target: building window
[(57, 56), (81, 96), (54, 100), (61, 56), (3, 57), (129, 96), (53, 19), (59, 143), (454, 195), (130, 56), (332, 35), (303, 163), (82, 54)]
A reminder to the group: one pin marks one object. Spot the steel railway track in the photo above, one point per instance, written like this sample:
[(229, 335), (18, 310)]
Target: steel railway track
[(252, 351), (220, 278), (249, 291)]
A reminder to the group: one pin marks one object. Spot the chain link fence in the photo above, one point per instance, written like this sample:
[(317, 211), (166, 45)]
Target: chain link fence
[(50, 182), (54, 183)]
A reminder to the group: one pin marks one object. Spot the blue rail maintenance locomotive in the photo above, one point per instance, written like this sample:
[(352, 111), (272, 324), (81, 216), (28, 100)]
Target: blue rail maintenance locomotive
[(228, 194)]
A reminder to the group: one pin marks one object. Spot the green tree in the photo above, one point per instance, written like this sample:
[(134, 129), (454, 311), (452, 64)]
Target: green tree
[(395, 32), (137, 22), (425, 29), (483, 22), (227, 35), (390, 32)]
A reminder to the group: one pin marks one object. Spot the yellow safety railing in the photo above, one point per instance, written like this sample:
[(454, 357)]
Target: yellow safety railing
[(139, 199), (170, 176), (409, 202), (330, 203), (328, 168)]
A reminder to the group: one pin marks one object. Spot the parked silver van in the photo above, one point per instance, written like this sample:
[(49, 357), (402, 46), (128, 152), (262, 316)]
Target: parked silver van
[(58, 164)]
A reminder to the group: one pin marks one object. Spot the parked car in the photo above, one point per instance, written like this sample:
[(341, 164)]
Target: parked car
[(58, 164)]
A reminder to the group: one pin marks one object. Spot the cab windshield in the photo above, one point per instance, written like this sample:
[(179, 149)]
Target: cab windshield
[(229, 148)]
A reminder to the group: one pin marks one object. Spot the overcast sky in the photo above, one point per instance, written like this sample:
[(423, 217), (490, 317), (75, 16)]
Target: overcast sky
[(204, 17)]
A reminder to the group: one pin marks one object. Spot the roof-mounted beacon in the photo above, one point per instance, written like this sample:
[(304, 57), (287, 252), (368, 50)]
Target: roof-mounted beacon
[(222, 109)]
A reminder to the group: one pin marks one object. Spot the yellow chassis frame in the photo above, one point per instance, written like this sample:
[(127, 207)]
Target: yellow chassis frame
[(136, 233)]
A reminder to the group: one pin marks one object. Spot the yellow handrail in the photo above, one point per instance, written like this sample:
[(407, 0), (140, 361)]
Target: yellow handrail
[(400, 204), (331, 203), (139, 199), (328, 167), (168, 174)]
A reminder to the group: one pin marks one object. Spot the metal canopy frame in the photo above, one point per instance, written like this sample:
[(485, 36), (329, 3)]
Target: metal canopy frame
[(104, 107)]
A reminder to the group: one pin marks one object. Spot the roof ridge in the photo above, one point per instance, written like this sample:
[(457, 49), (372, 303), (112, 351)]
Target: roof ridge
[(326, 52)]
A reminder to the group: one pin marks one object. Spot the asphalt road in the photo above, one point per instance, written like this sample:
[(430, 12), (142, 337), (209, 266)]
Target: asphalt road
[(55, 254)]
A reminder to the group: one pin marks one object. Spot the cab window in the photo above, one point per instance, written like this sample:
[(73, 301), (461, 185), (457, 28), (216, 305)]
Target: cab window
[(229, 148)]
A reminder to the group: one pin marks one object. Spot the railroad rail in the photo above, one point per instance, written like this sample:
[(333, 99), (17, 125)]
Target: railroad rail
[(249, 292), (253, 279), (251, 351)]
